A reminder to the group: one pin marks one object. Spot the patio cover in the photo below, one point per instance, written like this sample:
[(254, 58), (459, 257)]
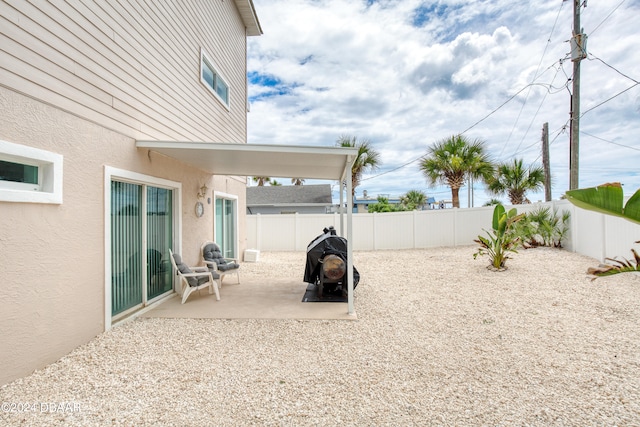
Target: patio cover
[(286, 161)]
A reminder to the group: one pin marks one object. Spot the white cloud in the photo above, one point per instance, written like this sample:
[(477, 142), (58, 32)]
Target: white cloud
[(405, 74)]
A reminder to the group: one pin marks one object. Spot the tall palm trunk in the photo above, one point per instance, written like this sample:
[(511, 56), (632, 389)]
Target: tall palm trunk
[(455, 182), (455, 198)]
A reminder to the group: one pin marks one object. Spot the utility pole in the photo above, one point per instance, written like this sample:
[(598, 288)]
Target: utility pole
[(578, 53), (545, 162)]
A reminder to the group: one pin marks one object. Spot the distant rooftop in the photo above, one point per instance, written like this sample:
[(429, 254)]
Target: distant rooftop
[(289, 194)]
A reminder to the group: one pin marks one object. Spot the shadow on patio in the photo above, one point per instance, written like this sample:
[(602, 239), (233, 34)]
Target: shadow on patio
[(253, 298)]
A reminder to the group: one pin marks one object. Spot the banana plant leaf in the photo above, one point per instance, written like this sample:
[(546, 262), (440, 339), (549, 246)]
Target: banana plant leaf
[(497, 214), (607, 199), (616, 266)]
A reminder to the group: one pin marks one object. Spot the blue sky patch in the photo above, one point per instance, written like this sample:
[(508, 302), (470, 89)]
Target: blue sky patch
[(263, 79), (276, 87), (423, 13)]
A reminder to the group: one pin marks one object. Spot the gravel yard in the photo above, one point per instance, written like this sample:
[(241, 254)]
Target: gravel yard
[(439, 340)]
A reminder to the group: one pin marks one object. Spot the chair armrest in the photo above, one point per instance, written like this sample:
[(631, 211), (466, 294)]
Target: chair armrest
[(197, 274), (212, 265), (199, 268), (232, 259)]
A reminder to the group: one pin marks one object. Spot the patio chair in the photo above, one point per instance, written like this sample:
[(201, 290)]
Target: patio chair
[(218, 264), (193, 278)]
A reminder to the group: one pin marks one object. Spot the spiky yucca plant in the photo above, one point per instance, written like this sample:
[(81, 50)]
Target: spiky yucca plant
[(543, 227)]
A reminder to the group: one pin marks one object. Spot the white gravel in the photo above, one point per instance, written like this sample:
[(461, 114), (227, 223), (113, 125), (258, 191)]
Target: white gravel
[(439, 340)]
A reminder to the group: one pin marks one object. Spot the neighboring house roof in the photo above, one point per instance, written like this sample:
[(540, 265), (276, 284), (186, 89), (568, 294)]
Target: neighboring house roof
[(391, 200), (289, 195), (371, 200), (249, 17)]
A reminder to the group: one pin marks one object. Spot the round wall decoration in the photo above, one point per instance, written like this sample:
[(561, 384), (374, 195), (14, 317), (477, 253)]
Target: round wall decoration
[(199, 209)]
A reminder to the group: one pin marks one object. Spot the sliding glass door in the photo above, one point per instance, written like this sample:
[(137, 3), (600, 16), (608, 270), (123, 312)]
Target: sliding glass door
[(226, 225), (141, 235), (159, 240), (126, 246)]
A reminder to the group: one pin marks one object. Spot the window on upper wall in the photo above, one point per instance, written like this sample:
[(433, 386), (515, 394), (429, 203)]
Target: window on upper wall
[(212, 79), (29, 175)]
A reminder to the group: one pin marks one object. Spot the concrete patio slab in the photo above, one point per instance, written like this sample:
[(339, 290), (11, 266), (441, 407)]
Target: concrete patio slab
[(252, 299)]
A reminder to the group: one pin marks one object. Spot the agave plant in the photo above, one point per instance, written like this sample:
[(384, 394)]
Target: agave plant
[(609, 199), (502, 238)]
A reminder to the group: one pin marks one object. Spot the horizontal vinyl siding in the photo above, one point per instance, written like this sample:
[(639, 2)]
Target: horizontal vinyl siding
[(131, 66)]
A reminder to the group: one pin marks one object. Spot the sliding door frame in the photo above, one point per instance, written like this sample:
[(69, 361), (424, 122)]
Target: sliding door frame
[(111, 173)]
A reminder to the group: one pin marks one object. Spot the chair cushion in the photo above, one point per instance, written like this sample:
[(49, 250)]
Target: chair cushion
[(177, 258), (226, 266), (184, 269), (211, 252), (200, 280)]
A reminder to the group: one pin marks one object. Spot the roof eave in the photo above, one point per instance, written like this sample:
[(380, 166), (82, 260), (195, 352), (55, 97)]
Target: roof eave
[(249, 17)]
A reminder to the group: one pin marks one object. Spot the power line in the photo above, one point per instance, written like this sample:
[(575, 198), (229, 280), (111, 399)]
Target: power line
[(613, 68), (558, 133), (611, 168), (535, 76), (536, 114), (501, 105), (609, 99), (607, 17), (392, 170), (610, 142), (547, 86)]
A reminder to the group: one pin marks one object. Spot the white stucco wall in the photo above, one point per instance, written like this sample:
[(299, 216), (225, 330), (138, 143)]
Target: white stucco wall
[(52, 271)]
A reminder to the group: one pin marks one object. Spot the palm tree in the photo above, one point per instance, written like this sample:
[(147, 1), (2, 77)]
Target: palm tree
[(274, 183), (414, 199), (297, 181), (492, 202), (515, 180), (452, 160), (367, 160), (261, 180)]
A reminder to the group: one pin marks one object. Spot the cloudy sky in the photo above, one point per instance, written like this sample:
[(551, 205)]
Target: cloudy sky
[(404, 74)]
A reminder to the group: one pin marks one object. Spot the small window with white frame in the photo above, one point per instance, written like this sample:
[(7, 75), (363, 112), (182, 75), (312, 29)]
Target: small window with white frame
[(29, 174), (212, 79)]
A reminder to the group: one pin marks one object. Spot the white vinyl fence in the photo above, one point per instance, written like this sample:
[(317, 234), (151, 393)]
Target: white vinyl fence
[(592, 234)]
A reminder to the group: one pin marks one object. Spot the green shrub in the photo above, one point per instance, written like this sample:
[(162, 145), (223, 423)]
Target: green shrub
[(502, 239), (542, 227)]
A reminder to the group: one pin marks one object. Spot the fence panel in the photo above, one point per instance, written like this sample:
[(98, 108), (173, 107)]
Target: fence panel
[(588, 233), (276, 232), (364, 234), (591, 233), (435, 228), (470, 223), (310, 226), (393, 230), (621, 235)]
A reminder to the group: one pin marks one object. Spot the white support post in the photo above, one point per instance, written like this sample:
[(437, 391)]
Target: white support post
[(349, 241), (341, 208), (258, 232)]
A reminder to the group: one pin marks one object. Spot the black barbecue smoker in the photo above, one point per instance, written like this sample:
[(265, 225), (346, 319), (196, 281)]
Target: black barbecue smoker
[(327, 264)]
